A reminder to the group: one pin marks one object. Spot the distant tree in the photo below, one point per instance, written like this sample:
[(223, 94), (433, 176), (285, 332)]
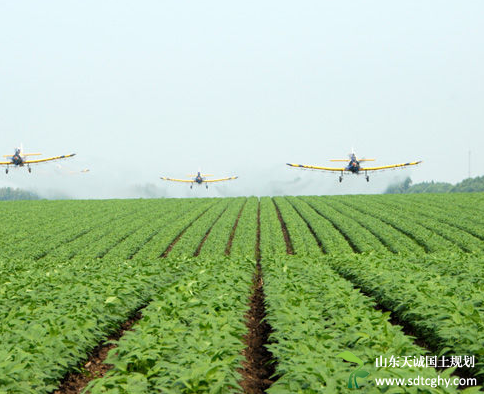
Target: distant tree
[(8, 193), (398, 188), (466, 186), (469, 185)]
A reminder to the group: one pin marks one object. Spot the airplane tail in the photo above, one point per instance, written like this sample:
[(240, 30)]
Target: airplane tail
[(203, 175), (22, 154), (351, 156)]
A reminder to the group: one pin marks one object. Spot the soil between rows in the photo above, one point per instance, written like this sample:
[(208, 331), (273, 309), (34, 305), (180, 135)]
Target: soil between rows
[(259, 365), (285, 232), (234, 228), (180, 234), (409, 330), (199, 247), (75, 382)]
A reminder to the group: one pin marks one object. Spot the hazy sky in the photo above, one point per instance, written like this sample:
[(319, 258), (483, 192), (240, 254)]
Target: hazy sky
[(140, 89)]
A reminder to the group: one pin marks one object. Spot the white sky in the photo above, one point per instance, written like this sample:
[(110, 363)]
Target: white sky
[(140, 89)]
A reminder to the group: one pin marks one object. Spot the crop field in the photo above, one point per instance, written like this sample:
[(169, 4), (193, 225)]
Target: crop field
[(239, 295)]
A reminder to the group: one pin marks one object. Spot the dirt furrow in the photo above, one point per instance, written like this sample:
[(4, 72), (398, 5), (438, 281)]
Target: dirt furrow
[(94, 367), (404, 232), (232, 233), (257, 244), (177, 238), (338, 228), (199, 247), (285, 233), (311, 230), (259, 365), (408, 329)]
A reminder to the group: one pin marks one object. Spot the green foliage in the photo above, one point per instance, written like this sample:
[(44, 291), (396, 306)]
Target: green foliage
[(303, 242), (436, 295), (218, 238), (360, 239), (271, 237), (190, 337), (466, 186), (245, 236), (425, 233), (50, 319), (316, 315), (328, 237), (72, 271), (194, 233), (401, 187)]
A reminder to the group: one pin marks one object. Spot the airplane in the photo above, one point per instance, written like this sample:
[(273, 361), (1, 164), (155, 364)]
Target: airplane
[(19, 159), (199, 178), (354, 166)]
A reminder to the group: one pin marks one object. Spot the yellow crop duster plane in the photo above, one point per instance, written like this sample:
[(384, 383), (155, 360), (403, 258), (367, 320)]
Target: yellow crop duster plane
[(19, 159), (354, 166), (199, 178)]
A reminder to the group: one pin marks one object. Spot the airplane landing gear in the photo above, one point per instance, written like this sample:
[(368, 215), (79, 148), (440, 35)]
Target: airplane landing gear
[(6, 170), (367, 178), (191, 186), (30, 170), (206, 186), (340, 179)]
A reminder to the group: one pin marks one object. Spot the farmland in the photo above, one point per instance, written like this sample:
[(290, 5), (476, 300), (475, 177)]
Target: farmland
[(236, 295)]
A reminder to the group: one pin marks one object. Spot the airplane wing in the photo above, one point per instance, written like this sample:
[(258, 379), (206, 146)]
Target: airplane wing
[(177, 180), (48, 159), (222, 179), (5, 163), (317, 168), (413, 163), (25, 154)]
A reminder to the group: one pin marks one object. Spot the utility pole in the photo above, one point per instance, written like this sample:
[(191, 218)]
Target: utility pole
[(469, 163)]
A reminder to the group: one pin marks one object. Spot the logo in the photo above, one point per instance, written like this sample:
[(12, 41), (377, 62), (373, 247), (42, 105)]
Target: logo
[(358, 373)]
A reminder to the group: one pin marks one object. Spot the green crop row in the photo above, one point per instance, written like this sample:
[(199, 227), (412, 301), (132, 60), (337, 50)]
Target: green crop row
[(398, 218), (159, 243), (446, 311), (47, 329), (303, 241), (395, 241), (190, 242), (100, 241), (271, 236), (328, 237), (32, 270), (217, 241), (465, 221), (159, 222), (245, 236), (465, 203), (358, 236), (47, 229), (190, 338), (445, 228), (72, 271), (317, 315)]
